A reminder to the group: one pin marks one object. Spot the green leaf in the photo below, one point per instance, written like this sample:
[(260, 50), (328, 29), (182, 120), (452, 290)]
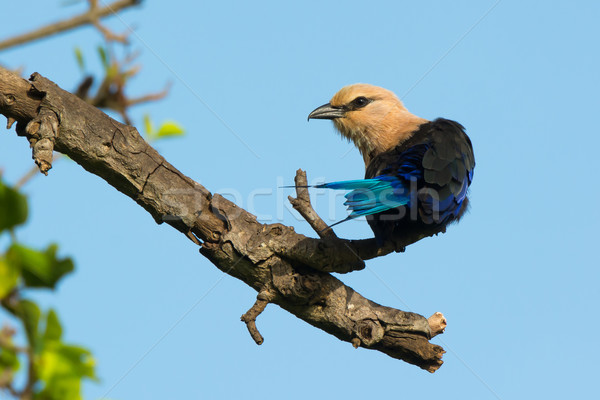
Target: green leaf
[(170, 128), (103, 57), (9, 360), (148, 126), (112, 71), (9, 277), (53, 328), (39, 269), (13, 207), (64, 388), (29, 313), (61, 368), (9, 364), (79, 58)]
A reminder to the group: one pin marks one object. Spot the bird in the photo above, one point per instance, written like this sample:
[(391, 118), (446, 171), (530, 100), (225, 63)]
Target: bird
[(417, 171)]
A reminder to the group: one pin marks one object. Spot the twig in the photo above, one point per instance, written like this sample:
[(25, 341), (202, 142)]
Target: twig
[(84, 87), (303, 205), (27, 392), (6, 333), (27, 177), (110, 36), (13, 392), (262, 299), (150, 97), (89, 17), (352, 261), (33, 172)]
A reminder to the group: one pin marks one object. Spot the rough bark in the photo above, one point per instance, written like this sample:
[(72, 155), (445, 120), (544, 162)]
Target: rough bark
[(286, 268)]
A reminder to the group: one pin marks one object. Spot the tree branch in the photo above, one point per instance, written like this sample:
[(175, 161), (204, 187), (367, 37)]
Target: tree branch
[(91, 16), (150, 97), (303, 205), (262, 300), (270, 256)]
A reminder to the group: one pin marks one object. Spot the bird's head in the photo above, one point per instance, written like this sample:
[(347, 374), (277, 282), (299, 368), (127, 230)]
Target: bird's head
[(370, 116)]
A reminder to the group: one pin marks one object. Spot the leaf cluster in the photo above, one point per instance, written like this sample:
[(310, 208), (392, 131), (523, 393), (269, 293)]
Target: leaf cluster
[(53, 369)]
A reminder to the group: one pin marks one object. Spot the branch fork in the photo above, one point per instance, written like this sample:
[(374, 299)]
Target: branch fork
[(91, 16), (303, 205)]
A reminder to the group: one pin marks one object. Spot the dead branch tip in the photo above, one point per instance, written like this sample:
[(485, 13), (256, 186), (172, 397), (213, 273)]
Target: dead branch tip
[(249, 318), (437, 324)]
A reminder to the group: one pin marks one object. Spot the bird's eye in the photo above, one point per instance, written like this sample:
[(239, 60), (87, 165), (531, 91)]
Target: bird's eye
[(360, 101)]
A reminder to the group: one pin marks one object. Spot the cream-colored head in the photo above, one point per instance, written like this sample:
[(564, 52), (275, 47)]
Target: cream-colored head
[(370, 116)]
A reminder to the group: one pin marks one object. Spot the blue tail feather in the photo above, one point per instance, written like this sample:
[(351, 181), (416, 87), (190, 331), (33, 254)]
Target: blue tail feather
[(350, 185), (371, 196)]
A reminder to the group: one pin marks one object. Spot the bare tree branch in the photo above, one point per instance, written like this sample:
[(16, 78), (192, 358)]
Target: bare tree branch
[(303, 205), (92, 16), (270, 256), (150, 97), (249, 318)]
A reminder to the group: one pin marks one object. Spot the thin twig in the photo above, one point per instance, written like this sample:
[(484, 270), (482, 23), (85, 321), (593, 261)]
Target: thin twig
[(13, 392), (6, 334), (89, 17), (84, 87), (150, 97), (303, 205), (27, 392), (33, 172), (109, 35)]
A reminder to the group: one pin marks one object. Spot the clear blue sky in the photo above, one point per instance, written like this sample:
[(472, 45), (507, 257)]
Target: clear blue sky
[(516, 278)]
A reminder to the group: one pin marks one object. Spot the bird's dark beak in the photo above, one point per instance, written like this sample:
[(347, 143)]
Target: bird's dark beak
[(327, 111)]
